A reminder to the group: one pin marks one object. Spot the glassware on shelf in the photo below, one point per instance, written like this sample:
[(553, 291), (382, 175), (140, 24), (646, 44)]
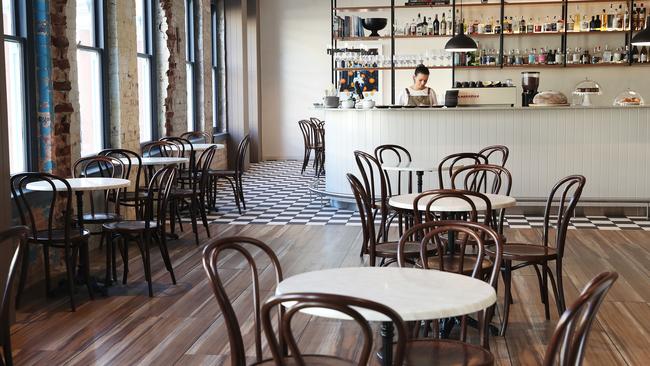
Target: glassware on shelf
[(628, 98)]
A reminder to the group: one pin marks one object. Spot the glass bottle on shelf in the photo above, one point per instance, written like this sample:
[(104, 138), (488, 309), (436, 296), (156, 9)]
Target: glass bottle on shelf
[(530, 27), (547, 27), (497, 27), (584, 24), (481, 28), (607, 55), (642, 17), (488, 26), (443, 25), (577, 20), (450, 28), (531, 57), (596, 55), (429, 26), (592, 24), (577, 55), (436, 26), (521, 27), (559, 57), (617, 56), (560, 26), (540, 58), (598, 24), (603, 21), (412, 28), (538, 26), (586, 57), (626, 20)]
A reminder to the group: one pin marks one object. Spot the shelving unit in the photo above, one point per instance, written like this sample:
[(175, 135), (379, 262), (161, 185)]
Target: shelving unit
[(503, 4)]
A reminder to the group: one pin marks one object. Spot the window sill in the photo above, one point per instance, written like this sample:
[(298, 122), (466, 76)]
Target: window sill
[(219, 137)]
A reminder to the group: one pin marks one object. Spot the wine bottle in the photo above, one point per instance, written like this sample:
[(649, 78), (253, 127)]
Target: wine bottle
[(436, 26), (443, 25)]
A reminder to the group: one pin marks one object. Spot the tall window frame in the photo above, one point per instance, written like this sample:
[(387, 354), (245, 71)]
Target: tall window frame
[(96, 48), (218, 124), (147, 82), (190, 66), (18, 40)]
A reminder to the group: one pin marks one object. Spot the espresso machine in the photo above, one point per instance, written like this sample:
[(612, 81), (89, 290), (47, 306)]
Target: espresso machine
[(529, 84)]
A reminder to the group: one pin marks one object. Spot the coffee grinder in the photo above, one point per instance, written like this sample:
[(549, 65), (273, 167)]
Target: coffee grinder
[(529, 84)]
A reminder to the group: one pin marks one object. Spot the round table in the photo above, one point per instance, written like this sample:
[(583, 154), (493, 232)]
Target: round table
[(451, 204), (414, 166), (415, 294), (202, 146), (158, 160)]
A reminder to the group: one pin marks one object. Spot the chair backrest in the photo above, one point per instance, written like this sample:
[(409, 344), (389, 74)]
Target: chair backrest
[(158, 192), (496, 154), (452, 162), (210, 264), (162, 148), (132, 169), (307, 133), (394, 154), (567, 346), (10, 237), (197, 135), (373, 178), (202, 171), (365, 207), (101, 167), (183, 145), (569, 190), (435, 196), (347, 305), (484, 178), (240, 160), (53, 207)]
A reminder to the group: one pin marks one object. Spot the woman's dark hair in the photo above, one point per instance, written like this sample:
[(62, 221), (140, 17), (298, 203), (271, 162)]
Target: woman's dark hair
[(421, 69)]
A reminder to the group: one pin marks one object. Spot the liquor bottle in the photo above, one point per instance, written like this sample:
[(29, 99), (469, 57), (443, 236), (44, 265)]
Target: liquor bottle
[(531, 56), (607, 55), (522, 25), (584, 25), (643, 57), (506, 26), (497, 27), (413, 28), (443, 25), (559, 57), (511, 26), (635, 55), (617, 56), (428, 26), (597, 23), (559, 27), (450, 28), (548, 25), (642, 17), (488, 26), (540, 58), (586, 58), (418, 26), (577, 20), (538, 26), (592, 24), (603, 21), (637, 18), (436, 26), (596, 56), (530, 27), (626, 20), (480, 29)]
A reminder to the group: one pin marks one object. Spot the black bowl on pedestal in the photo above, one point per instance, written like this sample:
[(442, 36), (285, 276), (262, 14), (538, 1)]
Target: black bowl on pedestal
[(374, 25)]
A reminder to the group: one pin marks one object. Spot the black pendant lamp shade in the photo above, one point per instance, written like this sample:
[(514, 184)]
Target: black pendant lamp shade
[(461, 43), (642, 38)]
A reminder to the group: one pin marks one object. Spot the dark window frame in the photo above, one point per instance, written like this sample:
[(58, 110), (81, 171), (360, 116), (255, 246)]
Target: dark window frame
[(99, 46), (190, 54), (150, 48), (220, 125), (23, 34)]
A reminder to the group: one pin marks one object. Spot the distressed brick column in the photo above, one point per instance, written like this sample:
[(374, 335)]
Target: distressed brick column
[(204, 66), (123, 75)]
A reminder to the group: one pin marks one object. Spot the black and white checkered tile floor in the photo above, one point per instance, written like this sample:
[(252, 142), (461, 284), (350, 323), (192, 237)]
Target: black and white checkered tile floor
[(276, 194)]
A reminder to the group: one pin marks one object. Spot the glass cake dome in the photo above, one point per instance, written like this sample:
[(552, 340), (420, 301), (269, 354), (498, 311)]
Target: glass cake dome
[(628, 98)]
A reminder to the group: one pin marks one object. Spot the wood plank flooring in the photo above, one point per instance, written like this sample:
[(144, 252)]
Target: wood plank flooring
[(182, 324)]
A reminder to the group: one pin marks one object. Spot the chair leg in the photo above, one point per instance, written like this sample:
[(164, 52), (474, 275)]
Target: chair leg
[(234, 192), (125, 259), (560, 285), (46, 264), (70, 261), (240, 189), (86, 266), (545, 273), (23, 275), (507, 282), (193, 209), (109, 267), (204, 217), (144, 252), (162, 244), (113, 258), (554, 285), (172, 217), (539, 282)]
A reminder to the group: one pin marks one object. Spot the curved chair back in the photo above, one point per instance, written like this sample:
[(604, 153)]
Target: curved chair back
[(202, 172), (9, 237), (161, 148), (430, 213), (158, 193), (394, 154), (56, 212), (496, 154), (201, 136), (308, 136), (347, 305), (449, 164), (567, 346), (101, 167), (365, 207), (375, 185), (211, 255), (133, 170), (569, 189), (240, 160)]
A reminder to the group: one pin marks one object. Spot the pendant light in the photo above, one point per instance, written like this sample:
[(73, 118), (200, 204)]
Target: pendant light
[(642, 38), (461, 42)]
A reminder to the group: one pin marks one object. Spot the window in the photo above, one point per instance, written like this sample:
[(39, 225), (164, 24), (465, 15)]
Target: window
[(189, 65), (16, 63), (146, 71), (91, 75), (216, 120)]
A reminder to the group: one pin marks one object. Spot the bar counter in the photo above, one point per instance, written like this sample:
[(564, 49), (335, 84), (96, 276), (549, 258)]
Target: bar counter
[(608, 145)]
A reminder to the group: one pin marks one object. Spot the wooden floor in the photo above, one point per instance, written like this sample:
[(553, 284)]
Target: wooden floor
[(182, 324)]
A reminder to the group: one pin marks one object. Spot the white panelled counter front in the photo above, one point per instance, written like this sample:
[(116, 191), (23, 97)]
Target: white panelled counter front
[(608, 145)]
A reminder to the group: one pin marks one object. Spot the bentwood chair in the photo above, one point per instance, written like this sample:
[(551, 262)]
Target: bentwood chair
[(565, 194), (395, 154), (569, 341), (132, 196), (311, 140), (496, 154), (233, 177), (249, 249), (148, 227), (201, 136), (185, 148), (14, 238), (431, 233), (195, 195), (49, 218), (449, 164), (347, 305), (384, 249)]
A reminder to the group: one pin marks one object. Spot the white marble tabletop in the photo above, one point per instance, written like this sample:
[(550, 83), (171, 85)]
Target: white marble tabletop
[(158, 160), (81, 184), (415, 166), (202, 147), (451, 204), (415, 294)]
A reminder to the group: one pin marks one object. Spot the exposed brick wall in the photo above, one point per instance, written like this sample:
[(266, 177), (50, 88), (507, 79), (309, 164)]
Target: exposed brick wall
[(204, 65), (172, 66)]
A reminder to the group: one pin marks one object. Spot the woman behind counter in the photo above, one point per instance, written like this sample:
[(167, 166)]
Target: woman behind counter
[(419, 94)]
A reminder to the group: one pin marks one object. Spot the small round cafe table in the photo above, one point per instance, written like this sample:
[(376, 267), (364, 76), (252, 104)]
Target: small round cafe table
[(451, 204), (159, 160), (415, 166), (415, 294)]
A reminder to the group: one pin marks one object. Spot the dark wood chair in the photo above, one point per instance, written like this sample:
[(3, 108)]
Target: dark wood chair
[(569, 190), (374, 182), (148, 227), (395, 154), (15, 238), (132, 196), (200, 136), (243, 246), (450, 163), (233, 177), (431, 233), (162, 148), (49, 218), (496, 154), (185, 148), (311, 139), (569, 341), (385, 250), (344, 304), (319, 131), (195, 195)]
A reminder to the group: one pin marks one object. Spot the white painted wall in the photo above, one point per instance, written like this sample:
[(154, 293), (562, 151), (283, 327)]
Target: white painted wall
[(295, 67)]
